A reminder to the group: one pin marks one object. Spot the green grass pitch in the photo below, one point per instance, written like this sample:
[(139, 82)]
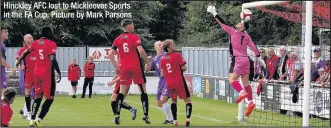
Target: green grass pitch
[(96, 111)]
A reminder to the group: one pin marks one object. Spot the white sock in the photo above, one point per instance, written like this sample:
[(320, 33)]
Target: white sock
[(167, 110), (25, 110), (164, 111)]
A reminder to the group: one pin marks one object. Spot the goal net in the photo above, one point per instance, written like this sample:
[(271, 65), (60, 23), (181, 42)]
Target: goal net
[(280, 102)]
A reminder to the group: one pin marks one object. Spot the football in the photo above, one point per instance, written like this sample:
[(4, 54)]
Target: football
[(246, 15)]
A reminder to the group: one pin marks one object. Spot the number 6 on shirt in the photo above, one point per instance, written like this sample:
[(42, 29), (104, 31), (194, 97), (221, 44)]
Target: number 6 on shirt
[(125, 47)]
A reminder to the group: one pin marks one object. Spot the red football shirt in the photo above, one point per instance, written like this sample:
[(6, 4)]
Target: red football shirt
[(74, 72), (126, 44), (29, 60), (171, 64), (6, 113), (44, 48), (89, 69)]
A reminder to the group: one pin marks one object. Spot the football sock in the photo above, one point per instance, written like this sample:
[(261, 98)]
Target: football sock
[(167, 111), (174, 110), (249, 91), (126, 106), (25, 111), (28, 103), (119, 101), (45, 108), (35, 108), (113, 106), (144, 102), (236, 86), (188, 110)]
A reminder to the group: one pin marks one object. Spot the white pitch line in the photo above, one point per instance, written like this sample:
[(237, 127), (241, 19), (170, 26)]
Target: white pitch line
[(202, 117)]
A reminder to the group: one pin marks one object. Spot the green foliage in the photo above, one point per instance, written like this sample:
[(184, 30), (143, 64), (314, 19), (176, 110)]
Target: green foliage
[(201, 29), (187, 22)]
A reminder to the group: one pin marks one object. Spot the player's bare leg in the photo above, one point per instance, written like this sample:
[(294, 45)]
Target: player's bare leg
[(163, 104), (144, 102), (188, 111), (124, 89), (248, 91), (174, 110)]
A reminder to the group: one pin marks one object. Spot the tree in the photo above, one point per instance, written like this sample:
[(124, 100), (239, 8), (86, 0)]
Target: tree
[(87, 31), (168, 21)]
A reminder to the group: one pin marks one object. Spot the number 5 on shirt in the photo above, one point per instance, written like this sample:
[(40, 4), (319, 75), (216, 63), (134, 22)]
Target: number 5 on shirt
[(41, 56)]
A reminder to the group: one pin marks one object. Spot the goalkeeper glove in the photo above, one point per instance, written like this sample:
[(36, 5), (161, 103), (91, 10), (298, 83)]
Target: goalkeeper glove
[(212, 10)]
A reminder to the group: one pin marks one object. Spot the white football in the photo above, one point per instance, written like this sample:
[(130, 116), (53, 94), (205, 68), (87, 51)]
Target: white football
[(246, 15)]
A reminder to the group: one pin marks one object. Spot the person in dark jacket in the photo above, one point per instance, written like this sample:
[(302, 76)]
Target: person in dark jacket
[(282, 61)]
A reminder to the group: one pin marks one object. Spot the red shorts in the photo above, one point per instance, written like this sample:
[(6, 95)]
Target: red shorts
[(137, 76), (181, 91), (29, 73), (117, 88), (44, 83)]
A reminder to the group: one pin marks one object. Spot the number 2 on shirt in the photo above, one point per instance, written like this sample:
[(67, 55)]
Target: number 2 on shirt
[(168, 68), (41, 56), (125, 47)]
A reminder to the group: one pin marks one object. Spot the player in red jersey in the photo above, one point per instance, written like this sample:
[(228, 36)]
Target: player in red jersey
[(113, 103), (172, 67), (130, 50), (29, 64), (44, 75), (6, 111)]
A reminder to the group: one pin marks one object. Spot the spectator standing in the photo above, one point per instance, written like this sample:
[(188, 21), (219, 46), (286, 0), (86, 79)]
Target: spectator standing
[(283, 57), (293, 67), (318, 63), (89, 76), (258, 69), (324, 74), (73, 76), (272, 65)]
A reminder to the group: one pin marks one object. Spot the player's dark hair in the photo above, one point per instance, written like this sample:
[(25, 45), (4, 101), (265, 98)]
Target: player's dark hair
[(9, 93), (47, 32), (246, 25), (126, 22), (3, 28)]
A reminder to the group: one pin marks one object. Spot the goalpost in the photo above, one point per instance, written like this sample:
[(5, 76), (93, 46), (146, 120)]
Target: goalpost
[(307, 62)]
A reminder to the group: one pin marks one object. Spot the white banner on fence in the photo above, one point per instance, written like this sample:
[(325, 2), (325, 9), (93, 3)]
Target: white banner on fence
[(99, 53), (257, 99), (319, 101), (100, 86)]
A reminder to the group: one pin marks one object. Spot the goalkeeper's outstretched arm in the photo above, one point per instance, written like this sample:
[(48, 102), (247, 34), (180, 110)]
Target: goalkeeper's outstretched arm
[(228, 29)]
